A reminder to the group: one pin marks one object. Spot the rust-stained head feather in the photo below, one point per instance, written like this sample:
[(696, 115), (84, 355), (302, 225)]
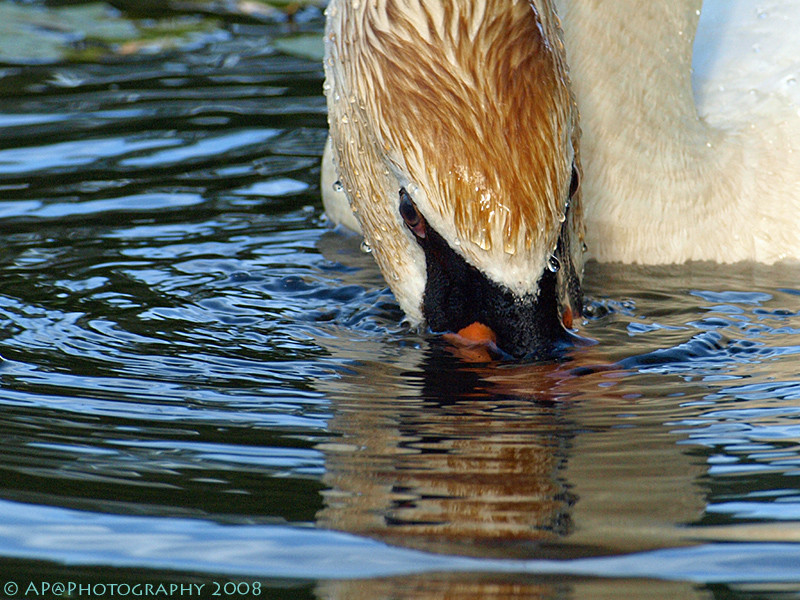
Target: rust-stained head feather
[(465, 103)]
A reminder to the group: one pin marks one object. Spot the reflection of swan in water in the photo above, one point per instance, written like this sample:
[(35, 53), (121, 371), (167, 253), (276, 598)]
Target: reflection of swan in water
[(456, 142), (457, 478), (488, 472), (439, 586), (494, 474)]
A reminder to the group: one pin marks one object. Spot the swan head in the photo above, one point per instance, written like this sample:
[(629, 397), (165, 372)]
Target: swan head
[(455, 136)]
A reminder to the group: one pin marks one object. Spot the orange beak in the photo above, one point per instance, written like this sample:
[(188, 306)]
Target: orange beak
[(478, 333), (478, 342), (473, 343)]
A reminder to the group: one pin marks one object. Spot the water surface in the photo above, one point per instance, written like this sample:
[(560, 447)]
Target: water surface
[(201, 381)]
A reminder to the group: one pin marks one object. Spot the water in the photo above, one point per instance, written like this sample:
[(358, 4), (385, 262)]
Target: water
[(201, 383)]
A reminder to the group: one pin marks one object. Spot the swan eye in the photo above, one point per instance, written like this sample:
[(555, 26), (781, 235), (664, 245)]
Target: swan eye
[(575, 182), (411, 215)]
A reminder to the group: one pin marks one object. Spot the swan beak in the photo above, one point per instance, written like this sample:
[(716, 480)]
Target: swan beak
[(478, 343), (475, 343), (486, 320), (478, 333)]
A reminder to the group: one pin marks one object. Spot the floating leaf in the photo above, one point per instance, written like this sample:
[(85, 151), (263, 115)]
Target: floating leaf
[(307, 45), (33, 34), (29, 34)]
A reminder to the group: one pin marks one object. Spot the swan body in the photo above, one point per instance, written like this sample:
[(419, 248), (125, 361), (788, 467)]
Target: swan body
[(680, 167), (454, 138)]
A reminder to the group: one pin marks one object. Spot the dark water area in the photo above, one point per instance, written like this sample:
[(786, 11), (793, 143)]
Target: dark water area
[(202, 383)]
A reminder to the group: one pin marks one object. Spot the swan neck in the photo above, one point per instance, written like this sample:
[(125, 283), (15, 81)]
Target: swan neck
[(637, 57)]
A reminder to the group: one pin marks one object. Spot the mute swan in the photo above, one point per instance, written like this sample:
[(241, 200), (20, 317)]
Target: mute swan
[(455, 148)]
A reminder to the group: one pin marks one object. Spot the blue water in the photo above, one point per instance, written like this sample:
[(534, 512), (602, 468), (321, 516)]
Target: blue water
[(202, 381)]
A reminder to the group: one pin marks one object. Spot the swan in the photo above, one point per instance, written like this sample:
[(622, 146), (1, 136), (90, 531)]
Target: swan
[(481, 147)]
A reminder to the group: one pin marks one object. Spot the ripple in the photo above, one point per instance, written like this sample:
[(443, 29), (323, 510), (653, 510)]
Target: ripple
[(295, 553), (201, 149)]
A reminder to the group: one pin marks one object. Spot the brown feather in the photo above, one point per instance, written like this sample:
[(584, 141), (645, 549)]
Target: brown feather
[(469, 100)]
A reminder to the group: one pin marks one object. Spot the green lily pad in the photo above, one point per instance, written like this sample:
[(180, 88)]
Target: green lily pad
[(306, 45), (34, 34)]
